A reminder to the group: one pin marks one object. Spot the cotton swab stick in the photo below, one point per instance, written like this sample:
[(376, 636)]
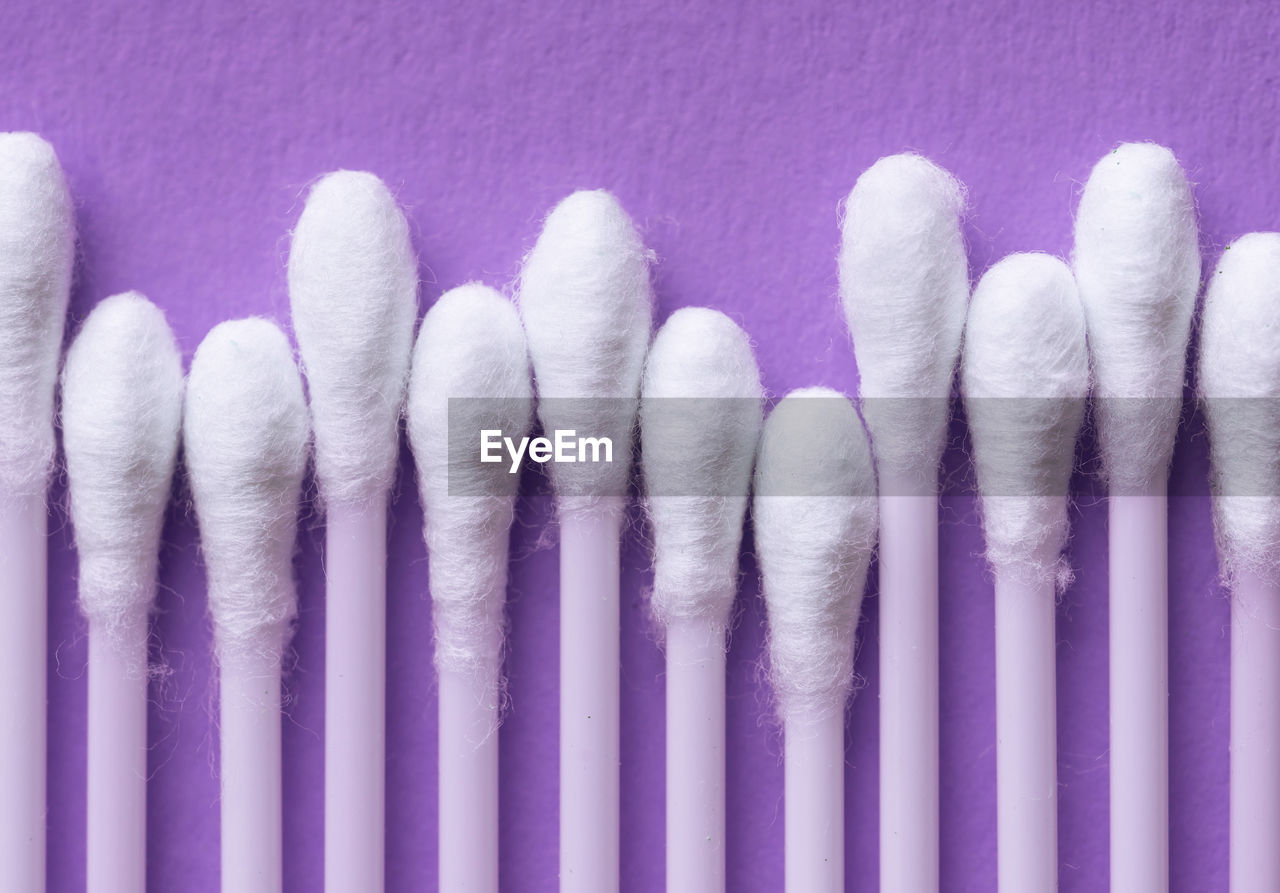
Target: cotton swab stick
[(470, 375), (1240, 392), (121, 419), (353, 281), (37, 247), (815, 529), (700, 420), (1025, 377), (1138, 267), (245, 435), (586, 302), (904, 284)]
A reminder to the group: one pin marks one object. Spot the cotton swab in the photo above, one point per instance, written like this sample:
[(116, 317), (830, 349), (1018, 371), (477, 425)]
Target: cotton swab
[(586, 302), (353, 281), (700, 420), (904, 284), (121, 419), (1240, 392), (815, 529), (245, 435), (37, 247), (470, 376), (1138, 267), (1025, 377)]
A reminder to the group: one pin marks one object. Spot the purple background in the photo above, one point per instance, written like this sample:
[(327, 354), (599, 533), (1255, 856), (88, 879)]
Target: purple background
[(730, 131)]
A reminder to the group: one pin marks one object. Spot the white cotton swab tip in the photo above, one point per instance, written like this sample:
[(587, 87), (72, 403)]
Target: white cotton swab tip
[(37, 250), (1240, 394), (587, 305), (122, 389), (246, 433), (353, 280), (815, 517), (353, 296), (246, 436), (470, 375), (1137, 262), (470, 379), (1240, 391), (1025, 377), (700, 420), (904, 286)]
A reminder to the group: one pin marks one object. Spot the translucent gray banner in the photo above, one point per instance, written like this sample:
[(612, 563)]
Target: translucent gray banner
[(587, 453)]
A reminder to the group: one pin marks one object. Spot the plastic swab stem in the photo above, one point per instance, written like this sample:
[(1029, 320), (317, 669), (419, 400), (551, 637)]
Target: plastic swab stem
[(252, 836), (468, 783), (1026, 737), (117, 770), (355, 697), (814, 769), (695, 757), (1139, 540), (589, 698), (909, 850), (23, 686), (1255, 735)]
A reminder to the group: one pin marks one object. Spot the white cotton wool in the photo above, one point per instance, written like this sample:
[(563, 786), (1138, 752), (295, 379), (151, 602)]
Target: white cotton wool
[(37, 251), (470, 374), (1137, 263), (121, 420), (815, 521), (245, 434), (904, 284), (1024, 375), (587, 305), (353, 295), (1240, 392), (701, 410)]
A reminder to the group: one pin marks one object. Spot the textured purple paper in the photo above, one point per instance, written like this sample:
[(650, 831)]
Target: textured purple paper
[(731, 132)]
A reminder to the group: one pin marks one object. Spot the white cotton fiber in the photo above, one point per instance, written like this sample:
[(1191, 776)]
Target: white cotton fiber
[(1240, 391), (470, 345), (1137, 263), (245, 433), (121, 419), (1025, 377), (700, 418), (587, 306), (904, 283), (815, 522), (37, 250), (353, 294)]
